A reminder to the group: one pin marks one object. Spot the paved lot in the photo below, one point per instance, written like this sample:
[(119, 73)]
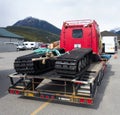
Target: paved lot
[(107, 100), (6, 67)]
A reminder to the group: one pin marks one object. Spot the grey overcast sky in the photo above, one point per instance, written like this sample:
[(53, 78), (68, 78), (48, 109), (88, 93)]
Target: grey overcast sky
[(105, 12)]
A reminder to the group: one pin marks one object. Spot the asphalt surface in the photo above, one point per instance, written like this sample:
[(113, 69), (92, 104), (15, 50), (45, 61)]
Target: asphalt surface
[(6, 68), (7, 47), (107, 100)]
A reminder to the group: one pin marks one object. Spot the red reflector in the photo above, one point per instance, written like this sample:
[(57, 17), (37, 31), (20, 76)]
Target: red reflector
[(47, 97), (42, 96), (17, 92), (82, 100), (89, 101), (52, 97), (11, 91)]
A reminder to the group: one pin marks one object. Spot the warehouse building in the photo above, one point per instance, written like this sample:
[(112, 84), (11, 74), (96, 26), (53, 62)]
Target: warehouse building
[(8, 40)]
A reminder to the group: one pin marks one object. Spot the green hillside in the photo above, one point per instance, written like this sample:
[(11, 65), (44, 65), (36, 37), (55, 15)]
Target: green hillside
[(33, 34)]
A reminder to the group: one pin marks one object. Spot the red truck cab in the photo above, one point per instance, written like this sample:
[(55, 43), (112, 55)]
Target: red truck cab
[(81, 34)]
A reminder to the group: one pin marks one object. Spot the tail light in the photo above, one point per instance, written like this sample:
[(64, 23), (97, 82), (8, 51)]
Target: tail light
[(42, 96), (47, 97), (89, 101), (82, 100), (11, 91), (17, 92)]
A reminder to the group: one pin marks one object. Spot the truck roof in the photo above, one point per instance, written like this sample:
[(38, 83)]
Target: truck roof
[(78, 22)]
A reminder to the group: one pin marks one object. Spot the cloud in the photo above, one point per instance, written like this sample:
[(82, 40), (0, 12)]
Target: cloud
[(105, 12)]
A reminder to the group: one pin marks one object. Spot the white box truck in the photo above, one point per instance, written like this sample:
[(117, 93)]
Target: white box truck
[(110, 44), (31, 45)]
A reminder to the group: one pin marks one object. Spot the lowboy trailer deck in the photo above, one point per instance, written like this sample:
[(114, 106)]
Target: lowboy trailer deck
[(51, 86)]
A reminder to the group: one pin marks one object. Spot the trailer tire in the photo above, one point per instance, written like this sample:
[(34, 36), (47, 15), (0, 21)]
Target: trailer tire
[(100, 77), (79, 66)]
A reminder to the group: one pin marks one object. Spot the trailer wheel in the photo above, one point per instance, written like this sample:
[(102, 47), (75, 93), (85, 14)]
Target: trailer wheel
[(102, 74), (87, 60), (98, 81), (84, 62), (100, 77), (79, 66)]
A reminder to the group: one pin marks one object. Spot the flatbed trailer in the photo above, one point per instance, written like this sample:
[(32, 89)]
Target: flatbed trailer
[(80, 89)]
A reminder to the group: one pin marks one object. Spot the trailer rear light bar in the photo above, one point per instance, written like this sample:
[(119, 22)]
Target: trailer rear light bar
[(54, 97)]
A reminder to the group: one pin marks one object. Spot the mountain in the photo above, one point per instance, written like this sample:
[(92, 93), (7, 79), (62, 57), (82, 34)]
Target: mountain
[(116, 30), (107, 33), (38, 24), (111, 33), (33, 34)]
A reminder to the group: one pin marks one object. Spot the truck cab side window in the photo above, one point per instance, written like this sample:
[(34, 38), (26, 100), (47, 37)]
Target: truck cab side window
[(77, 33)]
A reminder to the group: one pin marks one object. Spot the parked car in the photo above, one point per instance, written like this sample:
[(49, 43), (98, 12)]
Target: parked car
[(21, 47)]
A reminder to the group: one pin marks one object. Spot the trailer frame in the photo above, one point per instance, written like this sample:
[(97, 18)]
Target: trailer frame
[(82, 89)]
